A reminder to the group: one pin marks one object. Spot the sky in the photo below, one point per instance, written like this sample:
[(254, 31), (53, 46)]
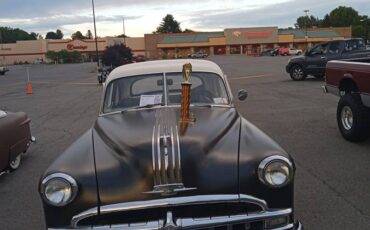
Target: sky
[(144, 16)]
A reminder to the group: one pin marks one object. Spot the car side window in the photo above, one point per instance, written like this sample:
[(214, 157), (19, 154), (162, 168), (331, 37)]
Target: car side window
[(334, 48), (350, 45), (320, 49)]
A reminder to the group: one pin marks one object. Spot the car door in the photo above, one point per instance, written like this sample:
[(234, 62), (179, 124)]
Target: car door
[(316, 59)]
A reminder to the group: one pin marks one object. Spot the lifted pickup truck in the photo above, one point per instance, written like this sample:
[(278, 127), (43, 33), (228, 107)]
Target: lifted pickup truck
[(314, 60), (3, 70), (350, 80)]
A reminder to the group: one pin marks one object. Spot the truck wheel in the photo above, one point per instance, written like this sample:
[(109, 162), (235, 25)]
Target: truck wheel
[(2, 73), (297, 73), (13, 165), (353, 118)]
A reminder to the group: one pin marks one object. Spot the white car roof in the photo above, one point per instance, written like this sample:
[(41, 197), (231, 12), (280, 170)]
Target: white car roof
[(163, 66)]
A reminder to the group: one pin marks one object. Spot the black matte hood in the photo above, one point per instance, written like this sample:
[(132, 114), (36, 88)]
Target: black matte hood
[(125, 146)]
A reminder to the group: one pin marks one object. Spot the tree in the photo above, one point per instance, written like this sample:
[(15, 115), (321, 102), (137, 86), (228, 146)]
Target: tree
[(326, 21), (11, 35), (121, 36), (52, 55), (89, 35), (59, 34), (358, 31), (169, 25), (51, 35), (117, 55), (344, 16), (77, 35), (307, 22), (188, 31)]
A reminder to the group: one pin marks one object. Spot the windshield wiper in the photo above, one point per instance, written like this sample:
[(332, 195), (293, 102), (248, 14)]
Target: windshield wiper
[(143, 106)]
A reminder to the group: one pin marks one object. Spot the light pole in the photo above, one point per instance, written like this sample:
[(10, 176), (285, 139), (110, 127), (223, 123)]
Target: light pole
[(364, 21), (96, 39), (124, 30), (305, 26)]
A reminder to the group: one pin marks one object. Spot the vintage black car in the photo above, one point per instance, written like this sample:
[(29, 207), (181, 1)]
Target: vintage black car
[(160, 156), (15, 138)]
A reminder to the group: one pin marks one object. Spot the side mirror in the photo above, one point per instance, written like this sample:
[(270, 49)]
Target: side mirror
[(242, 94)]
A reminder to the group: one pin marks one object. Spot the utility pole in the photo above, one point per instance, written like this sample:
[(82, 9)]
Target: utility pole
[(365, 21), (124, 30), (305, 26), (96, 39), (1, 42)]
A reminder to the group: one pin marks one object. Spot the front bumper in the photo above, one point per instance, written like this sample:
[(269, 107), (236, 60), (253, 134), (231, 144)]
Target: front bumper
[(262, 219), (287, 68)]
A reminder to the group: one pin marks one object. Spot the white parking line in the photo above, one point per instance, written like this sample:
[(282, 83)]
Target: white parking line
[(251, 76), (63, 83)]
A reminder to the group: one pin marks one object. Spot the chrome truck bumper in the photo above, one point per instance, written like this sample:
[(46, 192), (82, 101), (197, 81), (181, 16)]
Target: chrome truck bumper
[(265, 218)]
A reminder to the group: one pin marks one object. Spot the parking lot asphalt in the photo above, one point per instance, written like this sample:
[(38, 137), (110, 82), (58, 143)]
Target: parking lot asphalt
[(332, 185)]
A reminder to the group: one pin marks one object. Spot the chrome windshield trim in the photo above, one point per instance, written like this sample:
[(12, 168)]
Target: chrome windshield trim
[(170, 202), (168, 106)]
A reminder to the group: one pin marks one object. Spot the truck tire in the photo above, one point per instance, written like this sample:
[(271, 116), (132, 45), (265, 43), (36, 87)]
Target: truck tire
[(297, 73), (353, 118), (2, 73)]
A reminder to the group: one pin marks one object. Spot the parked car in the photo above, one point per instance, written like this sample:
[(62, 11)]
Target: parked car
[(270, 52), (15, 138), (157, 158), (294, 51), (138, 58), (3, 70), (315, 59), (284, 51), (199, 54), (265, 52), (274, 52), (350, 80)]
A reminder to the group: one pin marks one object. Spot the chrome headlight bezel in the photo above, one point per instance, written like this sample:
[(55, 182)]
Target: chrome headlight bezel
[(265, 163), (69, 181)]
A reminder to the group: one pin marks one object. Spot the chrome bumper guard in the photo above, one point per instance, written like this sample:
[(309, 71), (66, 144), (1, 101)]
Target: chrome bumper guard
[(172, 223)]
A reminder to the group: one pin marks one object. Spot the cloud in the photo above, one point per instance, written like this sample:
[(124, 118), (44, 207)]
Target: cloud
[(143, 16), (282, 14)]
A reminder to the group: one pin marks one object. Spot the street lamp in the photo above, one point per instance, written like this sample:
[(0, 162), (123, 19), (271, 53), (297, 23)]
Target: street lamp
[(96, 39), (305, 25), (366, 29)]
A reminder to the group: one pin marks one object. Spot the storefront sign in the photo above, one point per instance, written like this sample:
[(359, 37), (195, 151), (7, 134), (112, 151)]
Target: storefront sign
[(76, 47), (257, 34)]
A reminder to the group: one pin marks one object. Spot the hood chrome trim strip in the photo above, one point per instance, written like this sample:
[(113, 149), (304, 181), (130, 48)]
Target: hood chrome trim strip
[(166, 155)]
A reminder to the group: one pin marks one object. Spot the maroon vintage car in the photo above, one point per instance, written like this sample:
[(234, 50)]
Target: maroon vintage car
[(15, 138), (350, 80)]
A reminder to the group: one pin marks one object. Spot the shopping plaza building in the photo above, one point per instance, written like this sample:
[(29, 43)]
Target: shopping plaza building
[(235, 41)]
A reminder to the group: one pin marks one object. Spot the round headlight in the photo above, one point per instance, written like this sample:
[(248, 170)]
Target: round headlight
[(275, 171), (58, 189)]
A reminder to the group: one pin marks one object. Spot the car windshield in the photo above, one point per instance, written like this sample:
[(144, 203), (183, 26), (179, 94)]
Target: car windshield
[(148, 90)]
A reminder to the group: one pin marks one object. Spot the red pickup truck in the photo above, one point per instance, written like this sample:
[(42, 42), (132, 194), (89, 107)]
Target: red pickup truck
[(350, 80)]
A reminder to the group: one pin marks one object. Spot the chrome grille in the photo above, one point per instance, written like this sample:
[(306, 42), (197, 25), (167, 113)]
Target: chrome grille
[(176, 213)]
